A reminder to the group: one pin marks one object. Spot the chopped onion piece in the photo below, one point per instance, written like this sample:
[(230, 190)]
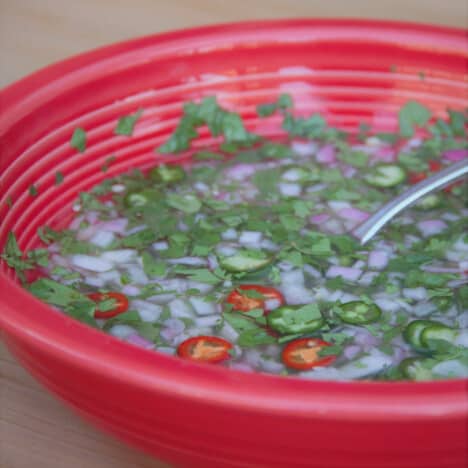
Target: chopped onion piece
[(90, 263)]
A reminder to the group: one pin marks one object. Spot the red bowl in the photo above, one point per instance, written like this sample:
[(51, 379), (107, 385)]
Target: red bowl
[(190, 414)]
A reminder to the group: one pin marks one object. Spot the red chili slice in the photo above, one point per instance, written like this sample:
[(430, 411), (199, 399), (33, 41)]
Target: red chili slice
[(435, 166), (303, 354), (416, 177), (120, 306), (205, 349), (244, 303), (450, 187)]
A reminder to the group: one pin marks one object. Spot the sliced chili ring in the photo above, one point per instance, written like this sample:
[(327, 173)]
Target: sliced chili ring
[(303, 353), (416, 177), (435, 166), (120, 306), (358, 312), (205, 349), (244, 303)]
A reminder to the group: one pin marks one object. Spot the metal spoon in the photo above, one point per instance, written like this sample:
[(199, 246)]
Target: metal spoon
[(369, 228)]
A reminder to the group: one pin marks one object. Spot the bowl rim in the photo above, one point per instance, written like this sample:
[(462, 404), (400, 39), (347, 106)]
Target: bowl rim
[(80, 345)]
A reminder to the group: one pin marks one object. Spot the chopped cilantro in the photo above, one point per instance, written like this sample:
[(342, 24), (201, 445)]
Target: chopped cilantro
[(107, 163), (284, 101), (187, 203), (58, 178), (78, 140), (151, 266), (412, 114), (126, 124), (33, 191)]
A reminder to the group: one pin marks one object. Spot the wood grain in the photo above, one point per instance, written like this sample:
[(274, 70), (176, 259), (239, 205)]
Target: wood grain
[(37, 431)]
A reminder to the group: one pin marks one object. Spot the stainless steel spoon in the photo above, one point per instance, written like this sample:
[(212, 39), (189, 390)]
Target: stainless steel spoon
[(369, 228)]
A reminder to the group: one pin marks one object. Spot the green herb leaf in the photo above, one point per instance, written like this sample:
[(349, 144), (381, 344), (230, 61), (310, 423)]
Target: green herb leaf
[(187, 203), (284, 101), (151, 266), (58, 178), (107, 163), (32, 190), (412, 114), (78, 140), (202, 275), (126, 124)]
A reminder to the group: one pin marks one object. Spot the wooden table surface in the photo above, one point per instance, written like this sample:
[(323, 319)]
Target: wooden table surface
[(36, 430)]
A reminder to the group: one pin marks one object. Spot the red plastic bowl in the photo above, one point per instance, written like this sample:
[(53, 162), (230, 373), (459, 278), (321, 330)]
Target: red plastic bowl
[(206, 416)]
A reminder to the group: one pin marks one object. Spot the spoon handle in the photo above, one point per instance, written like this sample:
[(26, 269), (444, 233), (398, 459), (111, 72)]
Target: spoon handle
[(369, 228)]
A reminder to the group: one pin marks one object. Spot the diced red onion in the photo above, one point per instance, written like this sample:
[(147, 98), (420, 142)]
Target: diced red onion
[(297, 294), (333, 226), (192, 261), (252, 357), (250, 237), (94, 281), (293, 277), (119, 256), (172, 328), (229, 235), (289, 190), (269, 365), (91, 216), (378, 259), (349, 171), (304, 148), (451, 368), (271, 304), (461, 245), (121, 331), (102, 238), (350, 352), (338, 205), (437, 269), (455, 155), (431, 227), (422, 309), (161, 245), (387, 304), (241, 367), (311, 271), (326, 154), (130, 290), (347, 273), (319, 218), (240, 171), (90, 263), (86, 233), (462, 338), (417, 294), (375, 362), (166, 350), (353, 214), (367, 278), (116, 225), (208, 321), (75, 224), (292, 175), (385, 154), (135, 229), (228, 332), (137, 274), (180, 309), (147, 311), (138, 340)]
